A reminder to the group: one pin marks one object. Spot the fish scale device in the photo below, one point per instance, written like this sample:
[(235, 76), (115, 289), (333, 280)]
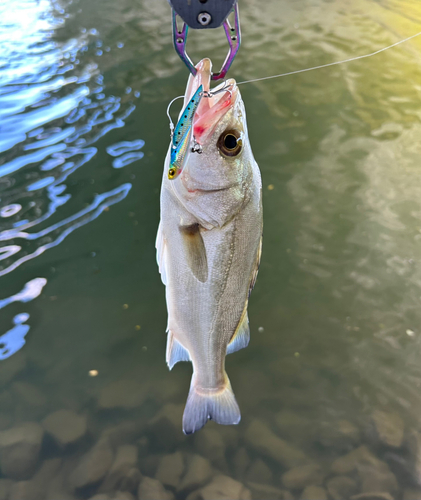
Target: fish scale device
[(206, 14)]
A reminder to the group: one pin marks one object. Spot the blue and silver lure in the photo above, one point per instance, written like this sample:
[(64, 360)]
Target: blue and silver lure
[(181, 136)]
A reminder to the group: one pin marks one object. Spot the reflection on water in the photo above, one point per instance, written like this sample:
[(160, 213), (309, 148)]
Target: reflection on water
[(329, 387), (53, 110)]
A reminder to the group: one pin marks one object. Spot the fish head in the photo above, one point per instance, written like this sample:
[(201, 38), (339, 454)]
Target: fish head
[(219, 132)]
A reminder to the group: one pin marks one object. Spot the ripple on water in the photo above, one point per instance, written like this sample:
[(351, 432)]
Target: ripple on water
[(126, 151), (54, 107)]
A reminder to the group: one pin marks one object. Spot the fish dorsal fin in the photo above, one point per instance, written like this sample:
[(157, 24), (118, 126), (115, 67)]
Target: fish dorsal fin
[(175, 351), (256, 267), (241, 337), (161, 253), (195, 251)]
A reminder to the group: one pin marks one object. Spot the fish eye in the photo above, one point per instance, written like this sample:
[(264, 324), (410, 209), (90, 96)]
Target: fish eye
[(230, 143), (171, 173)]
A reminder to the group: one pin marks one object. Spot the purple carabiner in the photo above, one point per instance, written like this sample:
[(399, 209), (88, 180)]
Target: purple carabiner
[(233, 34)]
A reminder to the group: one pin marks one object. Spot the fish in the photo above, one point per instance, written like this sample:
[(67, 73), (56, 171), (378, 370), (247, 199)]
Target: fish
[(208, 246), (181, 137)]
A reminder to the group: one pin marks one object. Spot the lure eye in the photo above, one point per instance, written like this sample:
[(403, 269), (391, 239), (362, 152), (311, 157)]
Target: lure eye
[(171, 173), (230, 143)]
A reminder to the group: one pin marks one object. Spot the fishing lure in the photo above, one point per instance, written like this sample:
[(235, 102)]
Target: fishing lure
[(181, 136)]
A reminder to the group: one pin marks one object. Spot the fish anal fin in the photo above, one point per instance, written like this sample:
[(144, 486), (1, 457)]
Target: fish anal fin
[(195, 251), (175, 351), (256, 267), (241, 337)]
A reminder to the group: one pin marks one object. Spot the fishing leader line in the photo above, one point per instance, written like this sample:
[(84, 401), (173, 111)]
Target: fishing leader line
[(332, 63)]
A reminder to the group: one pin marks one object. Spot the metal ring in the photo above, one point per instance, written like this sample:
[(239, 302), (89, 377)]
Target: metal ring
[(204, 18)]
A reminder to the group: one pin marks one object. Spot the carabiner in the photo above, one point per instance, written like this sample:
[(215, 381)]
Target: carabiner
[(233, 34)]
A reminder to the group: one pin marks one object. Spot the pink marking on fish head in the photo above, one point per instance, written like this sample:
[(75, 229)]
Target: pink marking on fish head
[(208, 116), (211, 109)]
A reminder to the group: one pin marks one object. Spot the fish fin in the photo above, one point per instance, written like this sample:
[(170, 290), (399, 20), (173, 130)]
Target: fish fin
[(210, 404), (175, 351), (195, 251), (160, 253), (241, 337), (256, 266)]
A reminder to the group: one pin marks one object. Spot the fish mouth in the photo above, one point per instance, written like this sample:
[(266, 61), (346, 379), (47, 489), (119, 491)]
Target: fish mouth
[(214, 104)]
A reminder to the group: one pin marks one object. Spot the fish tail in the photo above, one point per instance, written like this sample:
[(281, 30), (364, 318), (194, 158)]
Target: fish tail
[(205, 404)]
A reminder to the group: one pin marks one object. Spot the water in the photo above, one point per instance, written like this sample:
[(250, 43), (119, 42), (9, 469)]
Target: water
[(335, 315)]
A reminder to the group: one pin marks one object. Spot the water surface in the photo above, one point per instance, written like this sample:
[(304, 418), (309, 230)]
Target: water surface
[(335, 315)]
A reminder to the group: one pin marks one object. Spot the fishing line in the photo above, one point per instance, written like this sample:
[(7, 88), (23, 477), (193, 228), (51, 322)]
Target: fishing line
[(332, 63)]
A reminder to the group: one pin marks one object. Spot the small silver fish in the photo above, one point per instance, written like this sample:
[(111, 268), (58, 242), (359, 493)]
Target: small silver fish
[(208, 250)]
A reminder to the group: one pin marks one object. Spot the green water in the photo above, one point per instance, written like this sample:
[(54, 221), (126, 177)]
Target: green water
[(335, 314)]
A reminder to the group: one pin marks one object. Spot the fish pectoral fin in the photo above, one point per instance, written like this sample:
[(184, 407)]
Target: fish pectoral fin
[(175, 351), (256, 267), (161, 253), (241, 337), (195, 251)]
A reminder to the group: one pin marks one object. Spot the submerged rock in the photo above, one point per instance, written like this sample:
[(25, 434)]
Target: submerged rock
[(390, 428), (131, 480), (314, 493), (209, 443), (36, 488), (199, 470), (241, 462), (124, 461), (415, 451), (29, 394), (259, 472), (372, 496), (93, 466), (222, 488), (152, 489), (170, 469), (341, 435), (166, 426), (65, 426), (23, 490), (125, 432), (123, 495), (408, 494), (294, 426), (264, 441), (19, 450), (5, 486), (350, 462), (264, 491), (57, 488), (123, 394), (379, 478), (341, 487), (11, 367), (302, 476)]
